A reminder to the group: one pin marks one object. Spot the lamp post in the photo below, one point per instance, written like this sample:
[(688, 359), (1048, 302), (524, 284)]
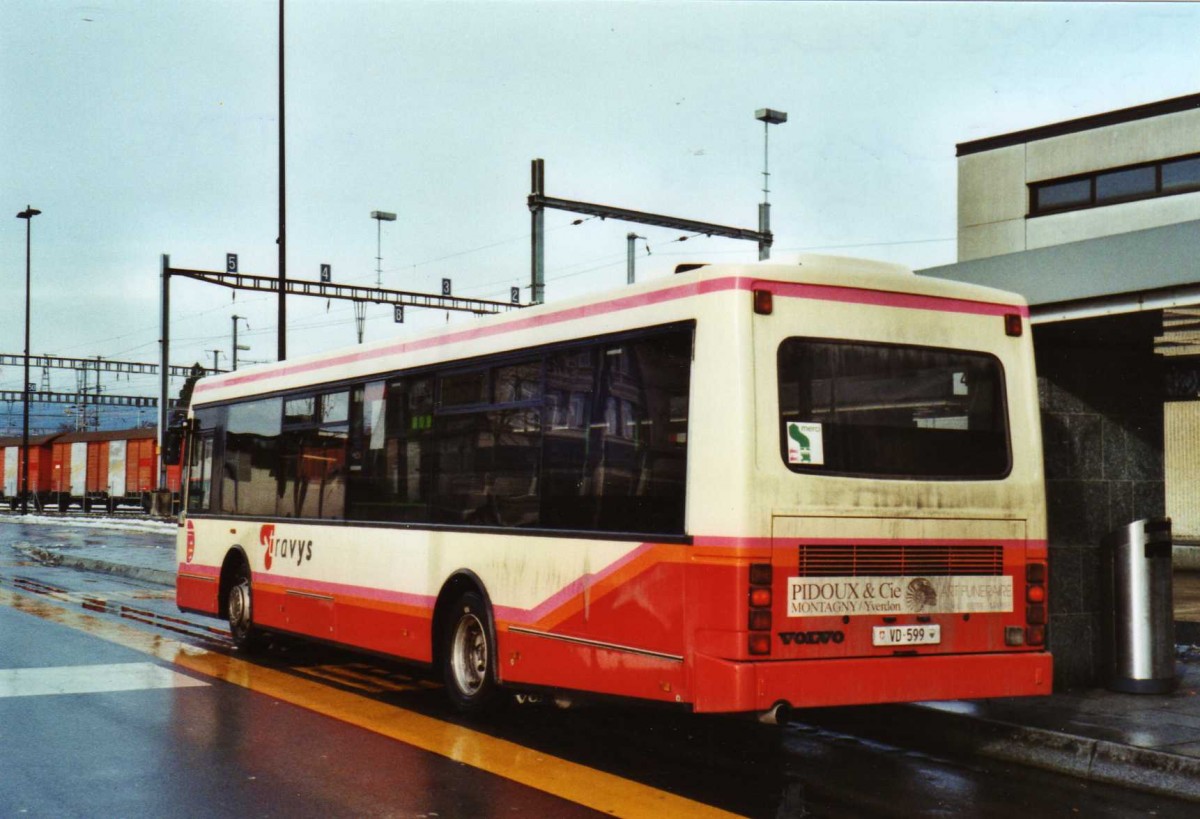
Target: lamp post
[(236, 346), (631, 239), (380, 216), (767, 117), (27, 215), (360, 308)]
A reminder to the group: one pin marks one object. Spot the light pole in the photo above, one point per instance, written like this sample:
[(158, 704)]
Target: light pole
[(380, 216), (631, 240), (27, 215), (767, 117), (237, 346), (360, 308)]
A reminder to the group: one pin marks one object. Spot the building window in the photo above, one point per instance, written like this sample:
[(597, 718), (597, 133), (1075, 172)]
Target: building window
[(1114, 185)]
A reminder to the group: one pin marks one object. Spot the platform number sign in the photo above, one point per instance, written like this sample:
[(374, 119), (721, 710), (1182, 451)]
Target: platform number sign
[(399, 314), (514, 295), (231, 263), (445, 287), (326, 272)]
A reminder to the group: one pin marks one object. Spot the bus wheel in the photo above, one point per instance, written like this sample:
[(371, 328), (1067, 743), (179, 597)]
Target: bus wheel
[(469, 656), (241, 619)]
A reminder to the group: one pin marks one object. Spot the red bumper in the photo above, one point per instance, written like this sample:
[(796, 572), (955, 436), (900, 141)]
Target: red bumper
[(725, 685)]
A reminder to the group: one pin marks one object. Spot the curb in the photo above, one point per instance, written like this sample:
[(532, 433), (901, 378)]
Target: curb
[(90, 564), (1093, 760), (157, 576)]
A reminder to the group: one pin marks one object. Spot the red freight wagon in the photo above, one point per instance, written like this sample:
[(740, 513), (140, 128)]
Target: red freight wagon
[(40, 470), (87, 469)]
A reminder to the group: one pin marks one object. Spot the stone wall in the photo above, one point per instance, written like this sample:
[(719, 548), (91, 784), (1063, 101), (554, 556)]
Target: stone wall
[(1101, 393)]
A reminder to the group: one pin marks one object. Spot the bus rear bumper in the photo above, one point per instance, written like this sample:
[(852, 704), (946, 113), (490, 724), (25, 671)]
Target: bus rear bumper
[(728, 685)]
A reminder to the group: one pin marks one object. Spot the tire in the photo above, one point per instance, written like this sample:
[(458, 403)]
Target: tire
[(245, 635), (469, 656)]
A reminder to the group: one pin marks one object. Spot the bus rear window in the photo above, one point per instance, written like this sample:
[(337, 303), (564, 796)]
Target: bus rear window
[(891, 411)]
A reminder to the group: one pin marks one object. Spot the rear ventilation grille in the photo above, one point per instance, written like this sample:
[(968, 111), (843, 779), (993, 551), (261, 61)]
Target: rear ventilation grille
[(904, 561)]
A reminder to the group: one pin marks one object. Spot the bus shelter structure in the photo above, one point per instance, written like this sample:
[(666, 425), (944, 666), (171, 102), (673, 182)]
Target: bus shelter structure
[(1116, 324)]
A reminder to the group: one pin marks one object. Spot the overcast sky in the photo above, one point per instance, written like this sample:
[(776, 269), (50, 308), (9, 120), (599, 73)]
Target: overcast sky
[(143, 128)]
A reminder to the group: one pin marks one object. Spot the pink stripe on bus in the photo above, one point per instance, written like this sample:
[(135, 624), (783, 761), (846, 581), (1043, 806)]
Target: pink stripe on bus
[(818, 292)]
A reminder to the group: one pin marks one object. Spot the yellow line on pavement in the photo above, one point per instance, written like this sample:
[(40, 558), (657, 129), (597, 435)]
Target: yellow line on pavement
[(562, 778)]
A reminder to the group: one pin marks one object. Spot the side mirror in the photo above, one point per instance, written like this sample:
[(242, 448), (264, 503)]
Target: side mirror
[(173, 444)]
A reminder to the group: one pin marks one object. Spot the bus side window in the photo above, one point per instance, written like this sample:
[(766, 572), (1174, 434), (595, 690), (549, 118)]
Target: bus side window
[(199, 486), (616, 446)]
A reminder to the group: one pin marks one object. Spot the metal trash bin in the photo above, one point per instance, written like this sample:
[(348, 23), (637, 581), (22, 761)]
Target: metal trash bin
[(1140, 615)]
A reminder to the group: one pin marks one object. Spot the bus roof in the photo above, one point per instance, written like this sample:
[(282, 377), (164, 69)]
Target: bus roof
[(819, 272)]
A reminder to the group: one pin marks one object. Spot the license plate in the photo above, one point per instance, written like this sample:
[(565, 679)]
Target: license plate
[(906, 635)]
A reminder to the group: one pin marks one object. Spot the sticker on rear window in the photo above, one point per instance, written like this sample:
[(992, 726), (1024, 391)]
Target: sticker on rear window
[(805, 444)]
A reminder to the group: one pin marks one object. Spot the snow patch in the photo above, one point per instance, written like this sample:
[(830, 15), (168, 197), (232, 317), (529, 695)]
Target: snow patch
[(155, 526)]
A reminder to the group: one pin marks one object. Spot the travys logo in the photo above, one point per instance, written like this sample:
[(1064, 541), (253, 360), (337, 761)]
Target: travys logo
[(266, 537), (284, 548)]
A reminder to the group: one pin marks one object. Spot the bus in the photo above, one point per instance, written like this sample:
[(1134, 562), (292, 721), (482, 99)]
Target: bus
[(740, 488)]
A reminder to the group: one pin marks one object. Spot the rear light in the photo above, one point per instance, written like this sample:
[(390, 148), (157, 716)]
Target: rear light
[(759, 618), (1035, 596), (764, 302), (1035, 636), (1012, 324), (760, 643), (1014, 636)]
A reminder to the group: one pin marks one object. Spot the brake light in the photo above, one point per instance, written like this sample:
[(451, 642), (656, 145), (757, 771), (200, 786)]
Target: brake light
[(1035, 591), (759, 619), (760, 642)]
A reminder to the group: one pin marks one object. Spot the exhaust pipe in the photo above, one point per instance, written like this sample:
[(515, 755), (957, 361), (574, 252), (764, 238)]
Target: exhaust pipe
[(777, 714)]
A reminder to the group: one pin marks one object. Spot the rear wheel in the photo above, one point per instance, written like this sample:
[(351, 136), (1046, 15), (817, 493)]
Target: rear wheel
[(245, 635), (469, 656)]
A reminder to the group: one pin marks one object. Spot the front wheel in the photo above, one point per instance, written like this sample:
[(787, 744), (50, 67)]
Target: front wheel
[(241, 615), (469, 656)]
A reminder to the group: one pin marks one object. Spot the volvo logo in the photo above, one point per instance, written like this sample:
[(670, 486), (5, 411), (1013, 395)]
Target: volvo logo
[(811, 638)]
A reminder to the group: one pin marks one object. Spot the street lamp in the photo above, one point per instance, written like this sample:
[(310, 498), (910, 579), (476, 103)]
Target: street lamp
[(767, 117), (236, 346), (360, 307), (380, 216), (27, 215), (631, 239)]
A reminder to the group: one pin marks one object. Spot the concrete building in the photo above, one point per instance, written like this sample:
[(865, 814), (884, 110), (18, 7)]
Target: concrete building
[(1097, 222)]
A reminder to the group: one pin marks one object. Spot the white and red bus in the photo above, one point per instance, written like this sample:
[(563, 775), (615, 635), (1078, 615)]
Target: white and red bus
[(743, 488)]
